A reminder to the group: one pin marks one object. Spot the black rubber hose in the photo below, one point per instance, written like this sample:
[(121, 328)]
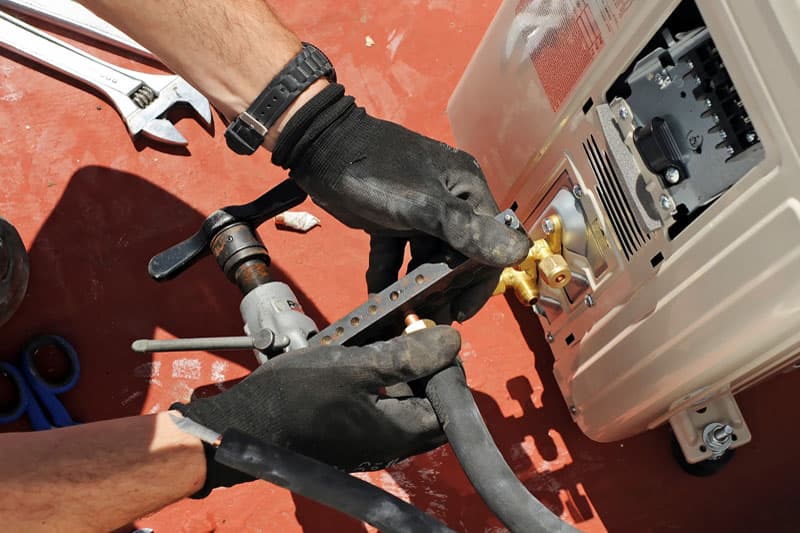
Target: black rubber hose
[(485, 467), (323, 483)]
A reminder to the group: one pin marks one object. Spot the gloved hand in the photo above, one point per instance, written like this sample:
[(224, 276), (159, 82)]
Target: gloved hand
[(398, 186), (327, 403)]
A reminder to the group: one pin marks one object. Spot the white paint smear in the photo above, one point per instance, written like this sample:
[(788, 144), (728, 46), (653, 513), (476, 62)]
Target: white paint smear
[(148, 370), (388, 484), (12, 97), (130, 398), (395, 38), (182, 392), (186, 368), (218, 369), (467, 351)]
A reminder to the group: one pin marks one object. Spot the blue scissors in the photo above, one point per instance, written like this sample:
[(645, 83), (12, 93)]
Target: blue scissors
[(35, 393)]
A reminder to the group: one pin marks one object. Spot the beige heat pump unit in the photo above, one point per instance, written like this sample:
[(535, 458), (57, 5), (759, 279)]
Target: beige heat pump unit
[(662, 138)]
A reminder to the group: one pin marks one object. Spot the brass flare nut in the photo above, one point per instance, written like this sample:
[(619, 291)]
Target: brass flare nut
[(415, 323)]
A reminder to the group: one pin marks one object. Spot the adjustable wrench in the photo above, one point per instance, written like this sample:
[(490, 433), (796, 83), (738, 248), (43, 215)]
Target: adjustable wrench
[(141, 99), (75, 17)]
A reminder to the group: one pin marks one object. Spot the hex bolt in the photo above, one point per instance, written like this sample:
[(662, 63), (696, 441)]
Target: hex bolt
[(577, 192), (723, 432), (508, 219), (672, 175), (548, 227), (623, 113), (589, 300), (717, 438), (666, 202)]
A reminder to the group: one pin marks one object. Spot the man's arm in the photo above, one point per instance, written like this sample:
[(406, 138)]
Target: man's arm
[(100, 476), (228, 50), (370, 174), (97, 476)]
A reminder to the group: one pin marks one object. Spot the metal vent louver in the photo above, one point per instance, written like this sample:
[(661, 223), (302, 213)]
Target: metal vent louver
[(629, 235)]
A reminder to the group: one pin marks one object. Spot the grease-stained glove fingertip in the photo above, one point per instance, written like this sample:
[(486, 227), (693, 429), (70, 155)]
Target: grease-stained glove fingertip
[(495, 244), (513, 248)]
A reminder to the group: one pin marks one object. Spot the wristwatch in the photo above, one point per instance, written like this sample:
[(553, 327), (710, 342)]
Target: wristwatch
[(247, 132)]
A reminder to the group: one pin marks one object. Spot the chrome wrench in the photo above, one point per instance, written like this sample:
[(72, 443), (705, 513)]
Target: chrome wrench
[(141, 99), (75, 17)]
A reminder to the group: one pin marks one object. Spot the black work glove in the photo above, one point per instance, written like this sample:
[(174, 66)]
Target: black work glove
[(399, 187), (327, 403)]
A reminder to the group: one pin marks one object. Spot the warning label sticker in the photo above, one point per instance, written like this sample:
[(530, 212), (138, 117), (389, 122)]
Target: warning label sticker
[(567, 38)]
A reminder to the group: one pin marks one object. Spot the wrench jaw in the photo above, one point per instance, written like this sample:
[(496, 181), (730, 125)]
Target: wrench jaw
[(170, 90), (191, 96), (176, 90), (163, 130), (147, 121)]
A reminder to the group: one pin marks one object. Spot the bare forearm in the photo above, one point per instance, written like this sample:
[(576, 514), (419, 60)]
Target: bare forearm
[(98, 476), (229, 50)]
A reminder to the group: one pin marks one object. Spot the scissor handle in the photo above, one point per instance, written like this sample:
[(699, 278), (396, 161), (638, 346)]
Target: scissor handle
[(26, 400), (46, 390)]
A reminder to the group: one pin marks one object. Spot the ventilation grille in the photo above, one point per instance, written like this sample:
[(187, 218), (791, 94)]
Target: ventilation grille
[(629, 234)]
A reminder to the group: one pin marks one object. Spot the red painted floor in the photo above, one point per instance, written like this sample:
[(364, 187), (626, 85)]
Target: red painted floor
[(93, 207)]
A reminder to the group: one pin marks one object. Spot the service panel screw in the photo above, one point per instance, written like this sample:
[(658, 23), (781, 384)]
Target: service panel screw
[(666, 202), (589, 300), (577, 192), (548, 227), (672, 175)]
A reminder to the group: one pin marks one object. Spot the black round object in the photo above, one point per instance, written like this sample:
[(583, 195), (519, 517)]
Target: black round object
[(705, 468), (14, 270)]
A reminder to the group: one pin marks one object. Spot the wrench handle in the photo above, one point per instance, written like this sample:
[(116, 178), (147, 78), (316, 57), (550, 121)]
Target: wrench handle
[(45, 49), (75, 17)]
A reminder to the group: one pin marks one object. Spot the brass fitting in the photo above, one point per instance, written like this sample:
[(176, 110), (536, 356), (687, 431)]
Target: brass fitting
[(551, 265), (544, 258), (415, 323), (524, 285)]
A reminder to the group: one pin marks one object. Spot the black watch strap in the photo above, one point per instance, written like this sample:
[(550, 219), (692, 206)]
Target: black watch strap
[(247, 132)]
